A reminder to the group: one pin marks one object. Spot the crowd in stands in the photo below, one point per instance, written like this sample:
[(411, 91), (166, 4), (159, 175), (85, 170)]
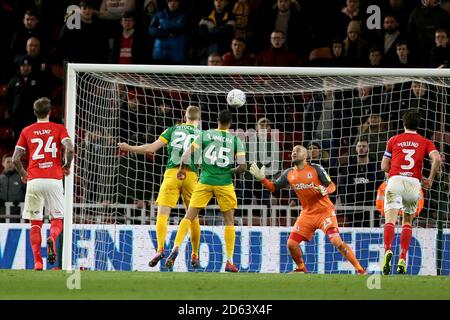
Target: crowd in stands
[(350, 128)]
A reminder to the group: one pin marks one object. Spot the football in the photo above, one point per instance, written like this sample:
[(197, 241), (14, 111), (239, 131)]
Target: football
[(236, 98)]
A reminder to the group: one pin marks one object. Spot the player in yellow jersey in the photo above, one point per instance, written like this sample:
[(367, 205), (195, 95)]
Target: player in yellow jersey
[(177, 138), (219, 150)]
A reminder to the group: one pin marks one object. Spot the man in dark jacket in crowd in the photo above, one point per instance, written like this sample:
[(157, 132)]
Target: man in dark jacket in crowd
[(12, 189)]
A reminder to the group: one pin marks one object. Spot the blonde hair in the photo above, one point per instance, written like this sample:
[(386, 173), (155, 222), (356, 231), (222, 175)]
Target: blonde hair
[(193, 113)]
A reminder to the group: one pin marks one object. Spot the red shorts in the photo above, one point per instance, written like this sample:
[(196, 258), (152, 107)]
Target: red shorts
[(306, 225)]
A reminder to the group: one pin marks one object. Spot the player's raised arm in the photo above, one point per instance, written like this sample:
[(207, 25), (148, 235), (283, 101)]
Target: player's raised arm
[(259, 174)]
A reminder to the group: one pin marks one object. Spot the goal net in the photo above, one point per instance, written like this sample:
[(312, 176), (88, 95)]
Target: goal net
[(343, 116)]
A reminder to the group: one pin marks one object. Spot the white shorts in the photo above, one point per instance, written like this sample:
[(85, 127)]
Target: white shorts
[(48, 193), (402, 193)]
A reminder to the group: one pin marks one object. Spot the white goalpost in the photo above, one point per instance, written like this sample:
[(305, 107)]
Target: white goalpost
[(110, 209)]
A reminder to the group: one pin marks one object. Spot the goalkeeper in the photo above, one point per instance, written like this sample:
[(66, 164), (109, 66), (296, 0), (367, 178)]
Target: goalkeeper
[(177, 138), (312, 186)]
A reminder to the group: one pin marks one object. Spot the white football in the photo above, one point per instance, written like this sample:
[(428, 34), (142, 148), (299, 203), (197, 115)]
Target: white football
[(236, 98)]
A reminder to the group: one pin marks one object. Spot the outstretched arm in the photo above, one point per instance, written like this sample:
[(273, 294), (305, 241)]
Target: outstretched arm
[(18, 153), (259, 174), (145, 148)]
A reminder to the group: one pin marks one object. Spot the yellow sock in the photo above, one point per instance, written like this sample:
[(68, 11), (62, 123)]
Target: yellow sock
[(183, 229), (230, 237), (195, 236), (161, 230)]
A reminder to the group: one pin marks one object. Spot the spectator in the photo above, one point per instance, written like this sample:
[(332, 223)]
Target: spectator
[(354, 46), (401, 9), (12, 189), (322, 119), (351, 12), (377, 133), (30, 28), (238, 56), (358, 183), (403, 60), (168, 27), (439, 56), (260, 149), (392, 36), (87, 44), (375, 58), (337, 53), (34, 55), (244, 13), (277, 55), (215, 31), (287, 17), (130, 47), (21, 92), (111, 12), (422, 24), (215, 59)]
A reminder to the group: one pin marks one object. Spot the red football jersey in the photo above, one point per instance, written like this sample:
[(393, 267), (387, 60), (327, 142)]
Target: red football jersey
[(407, 151), (43, 142)]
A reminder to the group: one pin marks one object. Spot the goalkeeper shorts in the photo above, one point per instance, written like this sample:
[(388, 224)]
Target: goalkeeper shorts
[(172, 188), (225, 196), (48, 193), (306, 225)]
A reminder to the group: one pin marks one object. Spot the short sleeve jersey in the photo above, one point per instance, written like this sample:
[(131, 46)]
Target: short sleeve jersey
[(407, 151), (178, 138), (219, 148), (303, 182), (43, 140)]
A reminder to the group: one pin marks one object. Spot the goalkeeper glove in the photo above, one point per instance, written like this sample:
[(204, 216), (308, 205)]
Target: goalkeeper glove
[(257, 172), (322, 190)]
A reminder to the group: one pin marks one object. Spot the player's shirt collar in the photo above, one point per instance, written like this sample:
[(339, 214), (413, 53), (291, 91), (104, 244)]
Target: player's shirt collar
[(222, 130), (188, 124), (43, 121), (410, 131)]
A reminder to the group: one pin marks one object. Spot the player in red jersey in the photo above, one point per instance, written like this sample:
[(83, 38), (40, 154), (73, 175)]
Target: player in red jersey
[(312, 185), (402, 161), (44, 175)]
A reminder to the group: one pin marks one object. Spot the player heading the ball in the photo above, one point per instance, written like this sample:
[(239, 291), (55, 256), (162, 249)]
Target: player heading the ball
[(177, 138), (219, 151), (403, 160), (312, 184), (44, 140)]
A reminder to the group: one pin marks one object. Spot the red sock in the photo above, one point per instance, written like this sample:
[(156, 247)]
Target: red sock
[(389, 234), (405, 240), (36, 239), (56, 226)]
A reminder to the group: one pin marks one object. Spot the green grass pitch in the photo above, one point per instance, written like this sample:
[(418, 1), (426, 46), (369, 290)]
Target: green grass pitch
[(27, 284)]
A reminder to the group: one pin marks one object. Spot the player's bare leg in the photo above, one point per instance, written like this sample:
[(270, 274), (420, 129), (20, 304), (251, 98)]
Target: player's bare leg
[(405, 240), (195, 242), (183, 229), (161, 232), (389, 234), (35, 240), (296, 253), (344, 249), (230, 238)]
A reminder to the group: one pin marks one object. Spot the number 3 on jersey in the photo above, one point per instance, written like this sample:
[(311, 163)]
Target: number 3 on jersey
[(408, 157), (50, 147), (213, 155)]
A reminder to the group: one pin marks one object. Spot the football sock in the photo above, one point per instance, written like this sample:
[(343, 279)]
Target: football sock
[(405, 240), (56, 226), (230, 238), (296, 253), (389, 233), (36, 239), (183, 229), (195, 236), (161, 230)]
